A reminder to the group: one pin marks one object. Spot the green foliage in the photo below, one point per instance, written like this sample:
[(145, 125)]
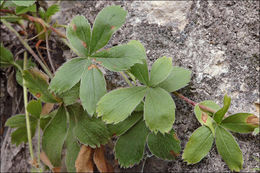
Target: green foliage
[(159, 110), (129, 148), (107, 22), (165, 146), (239, 123), (54, 136), (198, 145), (24, 9), (34, 107), (53, 9), (92, 88), (161, 69), (6, 57), (124, 102), (218, 116), (25, 3), (71, 96), (229, 149)]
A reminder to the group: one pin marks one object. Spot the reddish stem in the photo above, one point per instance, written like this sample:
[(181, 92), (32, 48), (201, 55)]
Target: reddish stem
[(193, 103)]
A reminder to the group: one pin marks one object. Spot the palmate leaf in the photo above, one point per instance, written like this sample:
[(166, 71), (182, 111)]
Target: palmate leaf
[(117, 105), (229, 149), (37, 83), (79, 35), (240, 122), (71, 143), (54, 136), (106, 23), (119, 58), (161, 69), (159, 110), (198, 145), (204, 117), (68, 75), (166, 146), (16, 121), (53, 9), (90, 131), (218, 116), (129, 148), (120, 128), (177, 79), (92, 88)]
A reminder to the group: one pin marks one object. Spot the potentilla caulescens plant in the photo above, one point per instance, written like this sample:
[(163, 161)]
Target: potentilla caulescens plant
[(143, 113)]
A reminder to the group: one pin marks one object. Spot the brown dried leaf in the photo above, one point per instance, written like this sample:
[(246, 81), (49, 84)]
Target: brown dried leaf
[(47, 108), (56, 169), (257, 106), (11, 84), (84, 161), (101, 162), (254, 120), (46, 160)]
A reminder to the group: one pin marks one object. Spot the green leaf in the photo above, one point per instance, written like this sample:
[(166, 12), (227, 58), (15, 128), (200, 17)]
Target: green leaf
[(119, 58), (68, 75), (140, 71), (204, 117), (159, 110), (25, 3), (218, 116), (129, 148), (37, 83), (256, 131), (53, 9), (91, 130), (228, 149), (34, 107), (71, 142), (79, 35), (20, 134), (6, 57), (16, 121), (54, 136), (161, 69), (46, 119), (71, 96), (92, 88), (240, 122), (18, 75), (120, 128), (198, 145), (117, 105), (107, 22), (24, 9), (166, 146), (178, 78)]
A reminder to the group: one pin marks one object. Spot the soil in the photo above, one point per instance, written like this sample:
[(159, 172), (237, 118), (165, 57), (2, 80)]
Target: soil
[(217, 40)]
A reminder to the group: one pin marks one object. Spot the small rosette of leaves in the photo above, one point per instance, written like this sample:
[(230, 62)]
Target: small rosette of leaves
[(159, 107), (85, 69), (215, 127)]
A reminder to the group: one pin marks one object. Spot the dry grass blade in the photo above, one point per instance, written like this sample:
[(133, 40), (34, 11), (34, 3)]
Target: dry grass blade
[(46, 160), (84, 162), (101, 162)]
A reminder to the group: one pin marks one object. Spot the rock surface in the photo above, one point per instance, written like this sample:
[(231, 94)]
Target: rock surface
[(217, 40)]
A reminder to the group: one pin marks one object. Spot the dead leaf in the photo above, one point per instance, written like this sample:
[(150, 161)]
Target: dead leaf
[(47, 108), (84, 161), (257, 106), (56, 169), (101, 162), (11, 84), (46, 160), (253, 120)]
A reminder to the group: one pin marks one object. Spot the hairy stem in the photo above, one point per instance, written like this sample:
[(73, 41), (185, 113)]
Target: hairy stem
[(205, 108), (28, 127), (126, 79), (7, 24)]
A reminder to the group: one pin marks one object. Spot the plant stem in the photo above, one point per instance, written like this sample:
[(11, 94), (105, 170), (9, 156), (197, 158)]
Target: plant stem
[(28, 127), (126, 79), (193, 103), (7, 24), (39, 142)]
